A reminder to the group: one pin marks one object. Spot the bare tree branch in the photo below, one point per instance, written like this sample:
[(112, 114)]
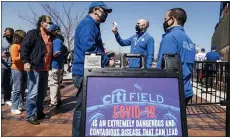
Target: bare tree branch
[(26, 18), (34, 13)]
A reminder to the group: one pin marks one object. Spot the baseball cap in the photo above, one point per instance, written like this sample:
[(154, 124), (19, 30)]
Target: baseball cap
[(54, 27), (100, 4), (213, 48)]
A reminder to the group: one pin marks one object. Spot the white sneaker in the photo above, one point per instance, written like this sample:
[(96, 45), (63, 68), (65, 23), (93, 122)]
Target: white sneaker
[(9, 103), (16, 112), (21, 108)]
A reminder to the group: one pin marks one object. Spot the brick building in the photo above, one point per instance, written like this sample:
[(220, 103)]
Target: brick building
[(221, 36)]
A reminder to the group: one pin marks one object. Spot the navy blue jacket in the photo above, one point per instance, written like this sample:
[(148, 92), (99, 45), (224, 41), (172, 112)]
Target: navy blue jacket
[(87, 39), (143, 44), (33, 49), (176, 41)]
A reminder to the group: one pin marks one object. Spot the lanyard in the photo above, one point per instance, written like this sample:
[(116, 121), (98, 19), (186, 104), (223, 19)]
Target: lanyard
[(137, 40)]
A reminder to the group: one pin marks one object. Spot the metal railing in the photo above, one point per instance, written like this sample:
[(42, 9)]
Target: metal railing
[(210, 82), (211, 85)]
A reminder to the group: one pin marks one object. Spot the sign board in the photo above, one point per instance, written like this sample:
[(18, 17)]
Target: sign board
[(133, 103), (92, 61)]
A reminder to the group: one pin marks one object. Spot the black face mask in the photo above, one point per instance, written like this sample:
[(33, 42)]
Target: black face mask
[(165, 25), (9, 38), (103, 17), (138, 29)]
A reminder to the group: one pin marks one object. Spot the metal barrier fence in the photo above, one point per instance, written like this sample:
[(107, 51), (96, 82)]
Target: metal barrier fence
[(210, 82), (211, 85)]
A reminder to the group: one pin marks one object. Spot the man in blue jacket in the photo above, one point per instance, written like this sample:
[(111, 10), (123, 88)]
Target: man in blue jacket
[(210, 68), (57, 65), (176, 41), (141, 43), (87, 39), (213, 55)]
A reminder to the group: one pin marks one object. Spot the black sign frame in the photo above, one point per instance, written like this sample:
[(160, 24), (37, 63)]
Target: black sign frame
[(133, 73)]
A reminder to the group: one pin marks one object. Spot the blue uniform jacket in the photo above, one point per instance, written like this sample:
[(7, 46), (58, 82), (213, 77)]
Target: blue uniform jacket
[(176, 41), (87, 39), (213, 56), (139, 45)]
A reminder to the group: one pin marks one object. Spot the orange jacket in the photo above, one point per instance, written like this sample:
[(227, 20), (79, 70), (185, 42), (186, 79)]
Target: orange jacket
[(48, 50), (17, 64)]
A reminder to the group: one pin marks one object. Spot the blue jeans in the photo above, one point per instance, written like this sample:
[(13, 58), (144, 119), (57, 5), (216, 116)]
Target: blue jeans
[(77, 80), (19, 87), (37, 90)]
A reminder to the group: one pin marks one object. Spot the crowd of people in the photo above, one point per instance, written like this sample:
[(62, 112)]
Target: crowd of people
[(28, 61), (30, 58), (211, 56), (206, 71)]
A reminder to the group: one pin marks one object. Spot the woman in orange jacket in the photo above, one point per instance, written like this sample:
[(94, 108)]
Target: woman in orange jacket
[(19, 76)]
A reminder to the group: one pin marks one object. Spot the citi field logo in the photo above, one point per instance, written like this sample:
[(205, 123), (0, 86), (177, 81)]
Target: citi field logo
[(122, 96)]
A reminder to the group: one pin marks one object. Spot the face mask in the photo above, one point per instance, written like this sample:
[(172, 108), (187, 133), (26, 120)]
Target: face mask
[(138, 29), (165, 25), (48, 27), (103, 17), (9, 39)]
